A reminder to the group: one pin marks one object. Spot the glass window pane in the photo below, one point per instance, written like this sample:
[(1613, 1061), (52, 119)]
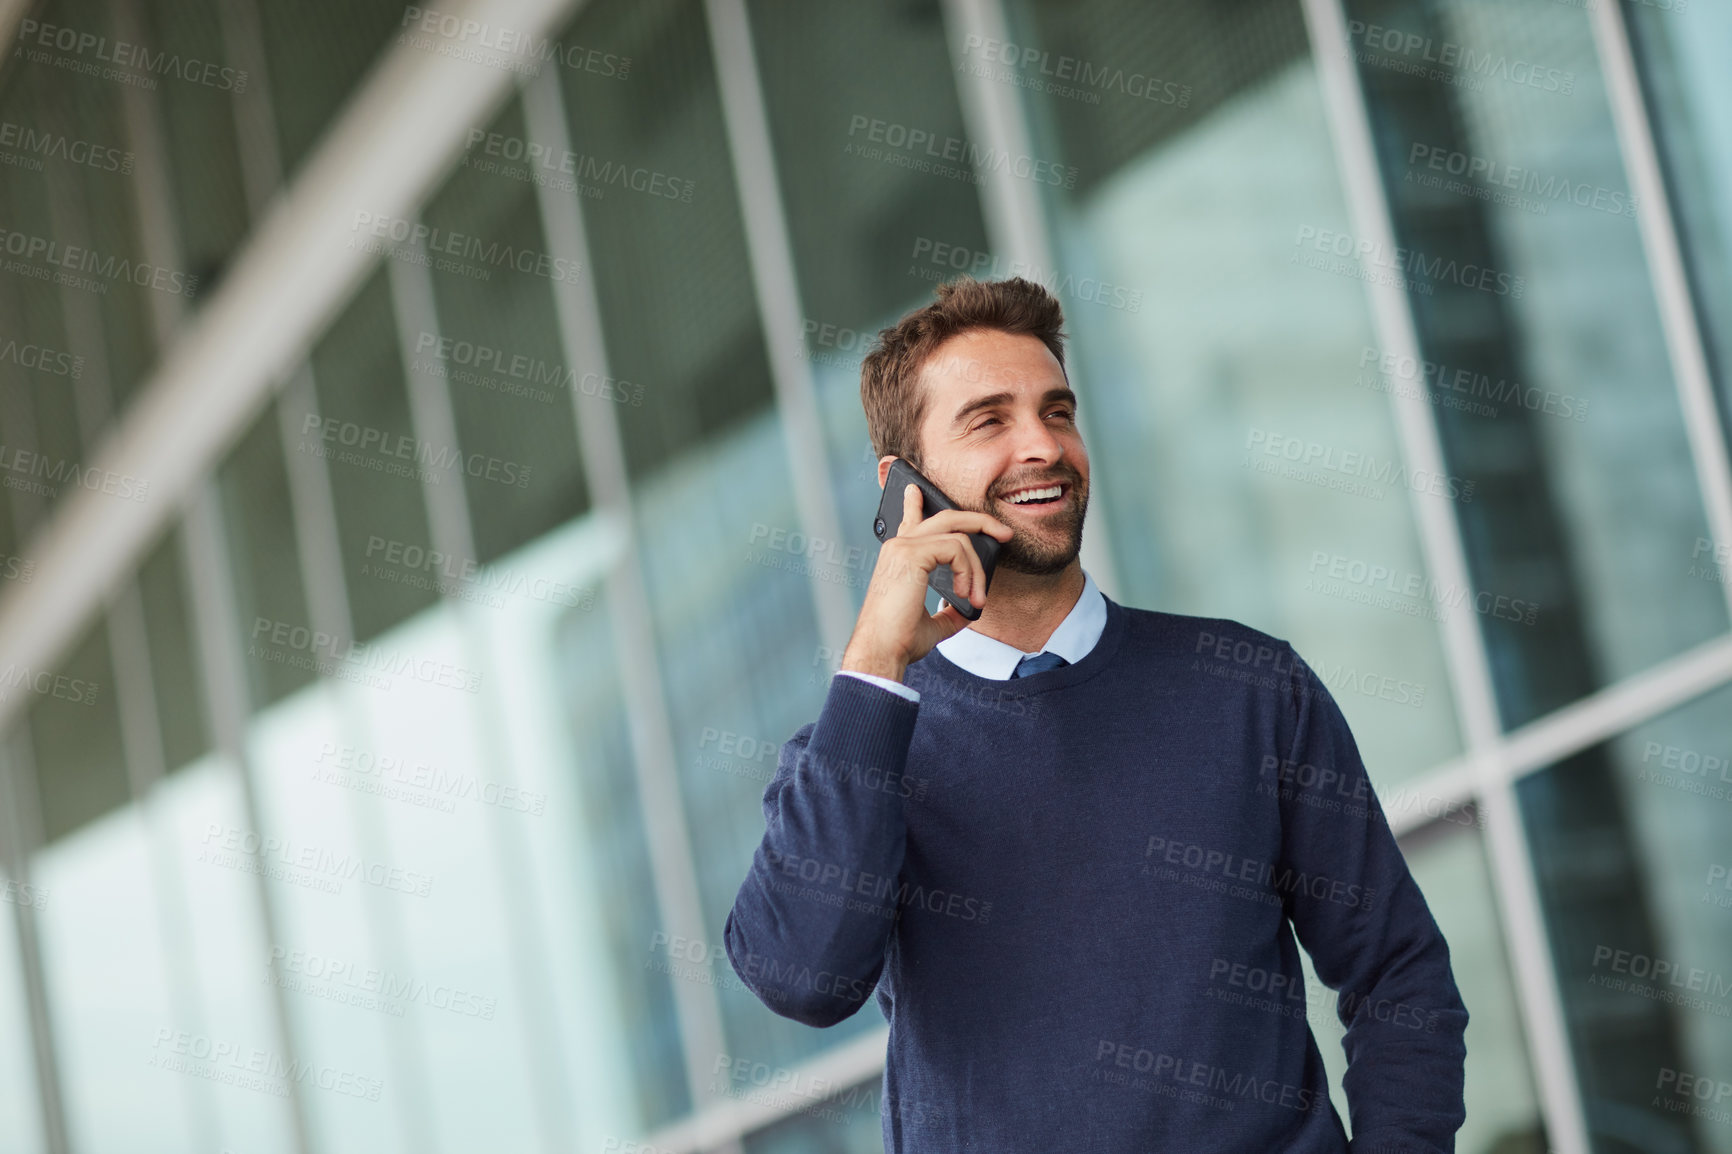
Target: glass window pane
[(863, 227), (1210, 358), (1546, 366), (38, 408), (75, 734), (197, 117), (304, 846), (554, 782), (265, 561), (20, 1098), (316, 53), (498, 351), (223, 966), (376, 462), (134, 1067), (481, 1027), (217, 933), (81, 96), (1630, 844), (617, 846), (175, 678), (855, 221), (14, 566), (672, 273), (1679, 49)]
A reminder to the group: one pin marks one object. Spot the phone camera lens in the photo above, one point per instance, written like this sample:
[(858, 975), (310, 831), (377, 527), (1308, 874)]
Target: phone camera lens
[(878, 526)]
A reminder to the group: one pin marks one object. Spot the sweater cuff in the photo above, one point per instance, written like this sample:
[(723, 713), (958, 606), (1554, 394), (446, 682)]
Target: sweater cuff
[(863, 726), (1389, 1142), (895, 687)]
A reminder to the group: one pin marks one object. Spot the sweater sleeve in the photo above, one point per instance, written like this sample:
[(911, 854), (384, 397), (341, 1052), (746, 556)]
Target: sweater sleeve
[(1360, 915), (812, 920)]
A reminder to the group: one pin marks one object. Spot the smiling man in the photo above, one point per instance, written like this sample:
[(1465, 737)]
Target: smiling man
[(1074, 846)]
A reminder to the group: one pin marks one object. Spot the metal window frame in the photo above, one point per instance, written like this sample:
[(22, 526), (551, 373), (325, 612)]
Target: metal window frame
[(1680, 322), (775, 279), (583, 343), (433, 418), (1527, 946)]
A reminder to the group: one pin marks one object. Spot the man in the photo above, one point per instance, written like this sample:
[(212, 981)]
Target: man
[(1071, 845)]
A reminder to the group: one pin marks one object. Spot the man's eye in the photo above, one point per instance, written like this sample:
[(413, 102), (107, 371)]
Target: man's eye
[(986, 422), (1065, 413)]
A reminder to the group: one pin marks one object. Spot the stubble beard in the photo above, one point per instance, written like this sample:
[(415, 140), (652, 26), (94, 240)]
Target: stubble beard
[(1038, 554)]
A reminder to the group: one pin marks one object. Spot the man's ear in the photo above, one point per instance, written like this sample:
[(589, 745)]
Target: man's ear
[(884, 463)]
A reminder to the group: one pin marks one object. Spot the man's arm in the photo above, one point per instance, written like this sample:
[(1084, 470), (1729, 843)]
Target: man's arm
[(1360, 915), (809, 927)]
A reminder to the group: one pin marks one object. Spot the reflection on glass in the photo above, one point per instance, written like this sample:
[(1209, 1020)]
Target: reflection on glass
[(20, 1101), (39, 408), (1645, 982), (136, 1064), (265, 561), (1680, 52), (75, 735), (1247, 465), (109, 315), (316, 54), (174, 674), (635, 968), (213, 922), (498, 354), (331, 923), (1547, 369), (736, 636), (443, 815), (378, 465), (865, 227), (664, 229), (201, 160)]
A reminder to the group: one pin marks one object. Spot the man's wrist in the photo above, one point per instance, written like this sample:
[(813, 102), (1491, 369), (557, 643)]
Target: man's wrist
[(889, 668)]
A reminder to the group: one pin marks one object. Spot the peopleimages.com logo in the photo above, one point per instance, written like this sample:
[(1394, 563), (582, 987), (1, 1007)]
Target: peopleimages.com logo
[(36, 40), (35, 145)]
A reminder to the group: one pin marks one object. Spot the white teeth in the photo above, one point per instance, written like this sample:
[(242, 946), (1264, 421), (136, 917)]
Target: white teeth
[(1036, 494)]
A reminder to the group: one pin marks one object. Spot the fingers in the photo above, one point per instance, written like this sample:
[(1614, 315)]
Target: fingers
[(911, 504), (966, 521), (968, 570)]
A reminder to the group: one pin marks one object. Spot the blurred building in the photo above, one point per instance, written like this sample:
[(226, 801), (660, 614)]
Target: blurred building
[(435, 484)]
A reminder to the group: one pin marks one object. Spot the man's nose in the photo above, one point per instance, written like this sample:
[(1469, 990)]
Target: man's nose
[(1037, 442)]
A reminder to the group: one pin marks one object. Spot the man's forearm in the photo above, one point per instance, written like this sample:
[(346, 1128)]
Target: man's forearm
[(820, 899)]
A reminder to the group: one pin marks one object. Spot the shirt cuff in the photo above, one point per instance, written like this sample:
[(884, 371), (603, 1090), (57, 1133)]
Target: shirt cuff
[(895, 687)]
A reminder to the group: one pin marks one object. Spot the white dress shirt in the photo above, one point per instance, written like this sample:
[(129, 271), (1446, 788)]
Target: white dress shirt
[(984, 656)]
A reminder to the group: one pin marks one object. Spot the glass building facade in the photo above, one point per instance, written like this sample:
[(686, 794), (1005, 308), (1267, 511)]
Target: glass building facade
[(435, 484)]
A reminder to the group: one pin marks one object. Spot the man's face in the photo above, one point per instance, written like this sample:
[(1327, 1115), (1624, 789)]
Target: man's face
[(1001, 421)]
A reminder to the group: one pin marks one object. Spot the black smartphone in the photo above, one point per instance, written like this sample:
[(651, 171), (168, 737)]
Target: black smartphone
[(932, 499)]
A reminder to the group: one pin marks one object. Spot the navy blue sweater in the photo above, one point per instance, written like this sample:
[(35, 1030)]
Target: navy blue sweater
[(1075, 895)]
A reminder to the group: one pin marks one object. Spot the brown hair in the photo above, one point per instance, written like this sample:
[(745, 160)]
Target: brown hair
[(890, 389)]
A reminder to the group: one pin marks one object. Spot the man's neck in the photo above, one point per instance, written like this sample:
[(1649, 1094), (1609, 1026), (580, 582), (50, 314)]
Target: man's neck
[(1024, 608)]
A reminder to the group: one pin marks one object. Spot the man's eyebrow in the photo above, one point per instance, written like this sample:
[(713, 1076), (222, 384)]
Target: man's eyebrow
[(991, 400)]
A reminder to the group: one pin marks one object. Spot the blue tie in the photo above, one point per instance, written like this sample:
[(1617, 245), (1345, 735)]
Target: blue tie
[(1038, 663)]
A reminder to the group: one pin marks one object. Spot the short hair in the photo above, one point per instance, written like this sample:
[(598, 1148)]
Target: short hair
[(890, 389)]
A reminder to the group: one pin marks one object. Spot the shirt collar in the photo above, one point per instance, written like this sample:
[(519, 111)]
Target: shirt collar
[(1075, 636)]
